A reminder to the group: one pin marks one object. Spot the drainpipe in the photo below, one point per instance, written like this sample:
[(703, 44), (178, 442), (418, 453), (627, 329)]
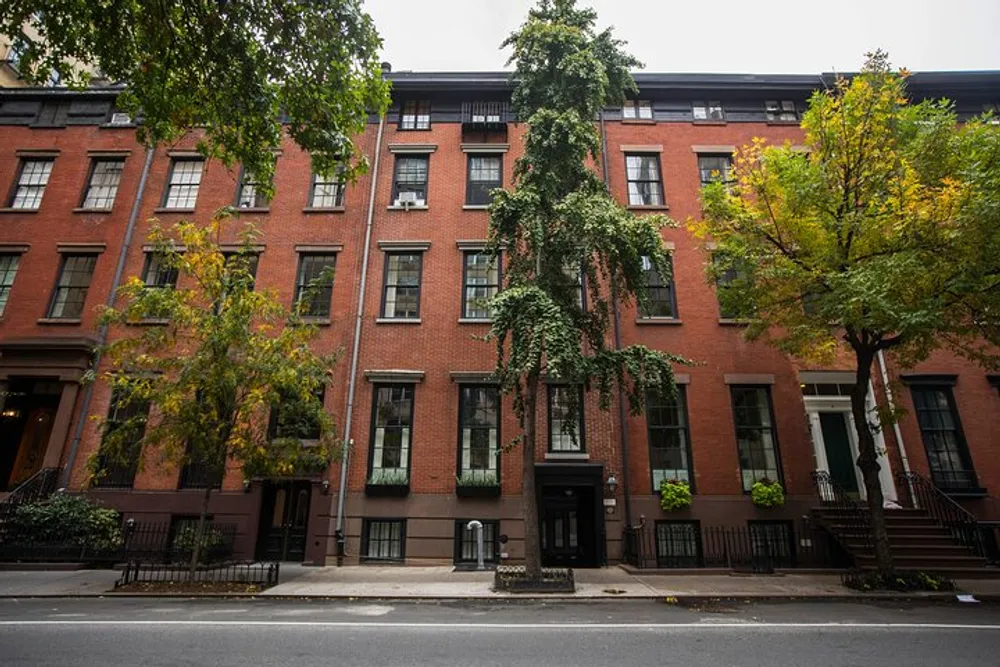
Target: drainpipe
[(342, 491), (622, 414), (102, 337), (895, 426)]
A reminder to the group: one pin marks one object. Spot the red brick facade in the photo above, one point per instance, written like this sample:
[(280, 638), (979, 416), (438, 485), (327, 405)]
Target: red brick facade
[(436, 353)]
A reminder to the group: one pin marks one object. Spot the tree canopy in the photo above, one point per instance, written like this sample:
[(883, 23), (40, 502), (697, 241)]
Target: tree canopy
[(243, 71)]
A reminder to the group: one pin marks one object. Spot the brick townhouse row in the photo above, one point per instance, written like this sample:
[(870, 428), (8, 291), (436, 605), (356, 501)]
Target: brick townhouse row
[(425, 425)]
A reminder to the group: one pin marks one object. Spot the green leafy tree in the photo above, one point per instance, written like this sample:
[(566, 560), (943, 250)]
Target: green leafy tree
[(215, 360), (883, 236), (560, 226), (243, 71)]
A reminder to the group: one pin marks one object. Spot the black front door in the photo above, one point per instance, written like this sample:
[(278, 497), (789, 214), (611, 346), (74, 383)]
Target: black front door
[(837, 444), (284, 519), (568, 531)]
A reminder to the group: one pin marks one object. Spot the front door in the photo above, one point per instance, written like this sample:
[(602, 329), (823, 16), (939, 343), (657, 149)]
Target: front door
[(284, 521), (567, 527), (839, 456)]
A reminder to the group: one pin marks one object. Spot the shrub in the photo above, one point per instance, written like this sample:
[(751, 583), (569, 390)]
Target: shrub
[(674, 495), (213, 541), (471, 479), (900, 581), (70, 520), (767, 493)]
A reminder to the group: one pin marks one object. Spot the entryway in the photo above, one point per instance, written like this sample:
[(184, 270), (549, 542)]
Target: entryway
[(284, 520), (27, 413), (570, 513)]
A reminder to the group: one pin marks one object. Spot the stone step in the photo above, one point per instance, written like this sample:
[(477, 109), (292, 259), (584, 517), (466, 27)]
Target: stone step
[(909, 550), (928, 563)]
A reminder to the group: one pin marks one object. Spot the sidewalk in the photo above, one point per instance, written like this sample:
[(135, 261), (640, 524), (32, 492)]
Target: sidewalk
[(439, 583)]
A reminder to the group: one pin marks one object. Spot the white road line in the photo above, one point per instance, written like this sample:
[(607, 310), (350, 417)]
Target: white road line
[(523, 626)]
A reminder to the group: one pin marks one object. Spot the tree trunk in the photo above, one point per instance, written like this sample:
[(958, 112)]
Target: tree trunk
[(532, 545), (868, 462), (199, 533)]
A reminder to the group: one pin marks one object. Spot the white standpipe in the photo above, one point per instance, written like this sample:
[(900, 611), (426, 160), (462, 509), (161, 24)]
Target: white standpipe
[(478, 527)]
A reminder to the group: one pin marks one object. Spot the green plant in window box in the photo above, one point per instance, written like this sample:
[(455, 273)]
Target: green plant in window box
[(767, 493), (477, 479), (675, 495), (389, 477)]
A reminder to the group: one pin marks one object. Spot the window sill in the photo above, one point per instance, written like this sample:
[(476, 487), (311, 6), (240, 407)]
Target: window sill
[(972, 492), (152, 321), (395, 207), (8, 209), (92, 210), (397, 320), (567, 456), (660, 207), (163, 209), (253, 209), (412, 129), (708, 122), (733, 322), (324, 209), (475, 207), (60, 320), (316, 321), (658, 320), (638, 121), (475, 320), (783, 122)]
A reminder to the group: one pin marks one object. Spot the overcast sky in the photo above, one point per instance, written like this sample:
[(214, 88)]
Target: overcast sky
[(756, 36)]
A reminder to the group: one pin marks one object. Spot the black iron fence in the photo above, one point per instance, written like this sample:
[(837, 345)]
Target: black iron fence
[(963, 524), (259, 574), (760, 546)]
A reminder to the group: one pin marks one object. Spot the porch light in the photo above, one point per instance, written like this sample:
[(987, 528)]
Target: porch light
[(612, 484)]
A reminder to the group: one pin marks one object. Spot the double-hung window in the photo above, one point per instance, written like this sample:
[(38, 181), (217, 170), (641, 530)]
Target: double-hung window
[(661, 300), (755, 437), (31, 183), (327, 191), (637, 110), (8, 271), (383, 540), (940, 429), (479, 434), (715, 168), (643, 174), (669, 443), (314, 284), (724, 280), (485, 174), (415, 115), (566, 419), (249, 194), (126, 420), (392, 422), (70, 294), (710, 111), (157, 273), (183, 184), (410, 183), (481, 281), (102, 187), (289, 420), (401, 293), (781, 111)]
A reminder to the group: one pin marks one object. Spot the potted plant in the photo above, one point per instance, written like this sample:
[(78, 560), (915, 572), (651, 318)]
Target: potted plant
[(767, 493), (388, 482), (675, 495), (477, 484)]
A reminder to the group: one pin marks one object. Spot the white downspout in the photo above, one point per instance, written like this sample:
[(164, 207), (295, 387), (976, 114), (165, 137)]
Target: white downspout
[(352, 383), (895, 426)]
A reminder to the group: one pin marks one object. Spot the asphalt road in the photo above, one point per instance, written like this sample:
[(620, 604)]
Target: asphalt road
[(247, 633)]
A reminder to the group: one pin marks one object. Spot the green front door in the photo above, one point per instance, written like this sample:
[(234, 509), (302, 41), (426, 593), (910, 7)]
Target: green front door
[(839, 458)]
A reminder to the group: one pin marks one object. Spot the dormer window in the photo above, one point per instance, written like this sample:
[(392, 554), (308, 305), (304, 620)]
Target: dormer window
[(637, 110), (782, 111), (415, 115), (710, 111)]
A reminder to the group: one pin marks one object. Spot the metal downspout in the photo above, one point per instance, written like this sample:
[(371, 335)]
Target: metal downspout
[(622, 414), (355, 351), (895, 426), (102, 337)]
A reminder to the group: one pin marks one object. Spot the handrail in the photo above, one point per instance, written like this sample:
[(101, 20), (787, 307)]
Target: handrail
[(851, 512), (943, 509), (39, 485)]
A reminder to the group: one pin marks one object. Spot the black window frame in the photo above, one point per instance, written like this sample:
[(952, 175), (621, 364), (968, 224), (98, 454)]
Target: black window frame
[(16, 186), (304, 282), (174, 161), (166, 278), (412, 108), (274, 419), (780, 532), (89, 185), (725, 177), (683, 427), (419, 254), (366, 526), (475, 190), (776, 111), (708, 105), (490, 555), (462, 416), (773, 428), (723, 282), (374, 426), (655, 157), (683, 560), (654, 286), (11, 273), (951, 479), (259, 200), (200, 474), (119, 474), (466, 286), (229, 255), (337, 181), (582, 427), (54, 299), (399, 160)]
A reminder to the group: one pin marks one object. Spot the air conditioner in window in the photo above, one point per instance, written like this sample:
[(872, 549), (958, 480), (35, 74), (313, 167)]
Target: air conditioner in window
[(408, 199), (121, 119)]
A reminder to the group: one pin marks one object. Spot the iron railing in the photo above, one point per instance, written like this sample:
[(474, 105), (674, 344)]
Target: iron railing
[(259, 574), (485, 114), (845, 518), (962, 523), (39, 486)]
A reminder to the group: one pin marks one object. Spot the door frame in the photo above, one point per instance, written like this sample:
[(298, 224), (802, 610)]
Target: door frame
[(576, 475), (288, 484), (842, 405)]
